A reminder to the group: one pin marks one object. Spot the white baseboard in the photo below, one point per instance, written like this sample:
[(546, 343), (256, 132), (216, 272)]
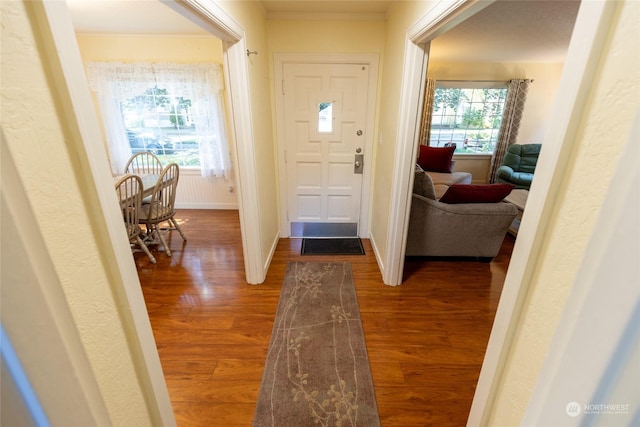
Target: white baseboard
[(376, 252), (272, 251)]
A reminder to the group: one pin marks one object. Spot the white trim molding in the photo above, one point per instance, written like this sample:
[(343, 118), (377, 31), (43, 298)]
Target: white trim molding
[(71, 83), (441, 17), (214, 19), (595, 356), (53, 358), (590, 30), (589, 33), (413, 80), (210, 16), (236, 73)]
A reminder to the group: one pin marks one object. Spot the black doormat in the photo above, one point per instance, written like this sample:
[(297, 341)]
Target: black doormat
[(337, 246)]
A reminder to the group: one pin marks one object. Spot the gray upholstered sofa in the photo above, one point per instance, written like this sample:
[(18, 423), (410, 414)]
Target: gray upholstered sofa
[(443, 180), (455, 230)]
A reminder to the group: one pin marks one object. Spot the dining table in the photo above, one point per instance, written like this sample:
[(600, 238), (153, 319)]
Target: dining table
[(149, 181)]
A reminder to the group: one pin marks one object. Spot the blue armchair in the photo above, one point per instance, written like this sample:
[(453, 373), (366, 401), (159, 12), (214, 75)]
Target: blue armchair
[(519, 164)]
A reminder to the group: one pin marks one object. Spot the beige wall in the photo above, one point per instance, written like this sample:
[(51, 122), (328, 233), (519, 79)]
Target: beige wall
[(45, 147), (132, 48), (605, 126), (327, 37), (541, 94), (250, 15), (538, 109), (402, 15), (290, 36)]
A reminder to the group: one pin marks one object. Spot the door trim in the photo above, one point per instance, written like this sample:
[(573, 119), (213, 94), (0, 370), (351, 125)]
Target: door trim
[(220, 24), (59, 34), (584, 52), (443, 16), (589, 34), (68, 72), (371, 60)]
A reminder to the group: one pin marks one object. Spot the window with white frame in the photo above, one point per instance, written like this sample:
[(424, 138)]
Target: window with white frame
[(161, 122), (173, 110), (467, 114)]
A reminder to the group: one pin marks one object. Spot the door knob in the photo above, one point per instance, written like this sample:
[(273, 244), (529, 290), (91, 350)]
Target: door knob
[(357, 163), (358, 150), (359, 132)]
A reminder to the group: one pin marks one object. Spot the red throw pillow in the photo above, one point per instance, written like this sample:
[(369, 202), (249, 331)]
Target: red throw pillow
[(436, 159), (476, 193)]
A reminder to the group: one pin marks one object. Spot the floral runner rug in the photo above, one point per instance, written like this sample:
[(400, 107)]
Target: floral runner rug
[(317, 370)]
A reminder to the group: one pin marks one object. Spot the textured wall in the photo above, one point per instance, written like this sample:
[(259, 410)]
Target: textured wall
[(605, 126), (41, 140)]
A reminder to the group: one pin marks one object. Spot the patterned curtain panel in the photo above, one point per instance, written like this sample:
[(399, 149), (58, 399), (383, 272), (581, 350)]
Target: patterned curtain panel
[(427, 111), (513, 109)]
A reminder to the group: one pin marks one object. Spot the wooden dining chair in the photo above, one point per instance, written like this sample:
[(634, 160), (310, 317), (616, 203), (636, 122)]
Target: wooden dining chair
[(129, 190), (144, 163), (161, 208)]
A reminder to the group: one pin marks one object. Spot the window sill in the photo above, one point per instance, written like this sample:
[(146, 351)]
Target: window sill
[(190, 170), (469, 156), (195, 171)]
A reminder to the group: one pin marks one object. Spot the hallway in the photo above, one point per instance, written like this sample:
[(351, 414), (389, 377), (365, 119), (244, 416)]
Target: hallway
[(426, 339)]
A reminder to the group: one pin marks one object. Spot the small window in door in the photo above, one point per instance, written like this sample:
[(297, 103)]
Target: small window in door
[(325, 117)]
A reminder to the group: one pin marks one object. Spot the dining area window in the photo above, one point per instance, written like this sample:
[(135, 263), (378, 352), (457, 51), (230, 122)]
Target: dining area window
[(175, 111)]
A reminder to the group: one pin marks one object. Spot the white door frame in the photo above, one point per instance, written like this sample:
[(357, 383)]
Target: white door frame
[(371, 60), (591, 359), (590, 31), (588, 37), (58, 33), (443, 16), (210, 16)]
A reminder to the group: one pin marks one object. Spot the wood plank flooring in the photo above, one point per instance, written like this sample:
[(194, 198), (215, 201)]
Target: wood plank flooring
[(426, 339)]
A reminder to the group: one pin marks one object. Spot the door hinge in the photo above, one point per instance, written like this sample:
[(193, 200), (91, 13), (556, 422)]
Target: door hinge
[(285, 156), (282, 87)]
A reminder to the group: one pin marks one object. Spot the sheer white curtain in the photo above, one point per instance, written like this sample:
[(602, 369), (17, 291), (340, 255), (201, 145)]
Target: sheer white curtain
[(203, 84)]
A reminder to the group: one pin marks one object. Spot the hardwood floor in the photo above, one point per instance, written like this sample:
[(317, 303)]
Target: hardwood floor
[(426, 339)]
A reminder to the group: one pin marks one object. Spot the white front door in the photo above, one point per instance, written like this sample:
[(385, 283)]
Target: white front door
[(325, 112)]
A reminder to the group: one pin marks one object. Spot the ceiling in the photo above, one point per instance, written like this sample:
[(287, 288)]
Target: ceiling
[(511, 31), (505, 31)]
